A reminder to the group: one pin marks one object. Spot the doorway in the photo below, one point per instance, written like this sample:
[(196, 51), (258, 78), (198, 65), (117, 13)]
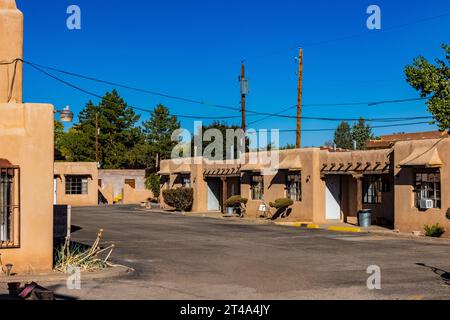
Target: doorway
[(213, 194), (333, 197)]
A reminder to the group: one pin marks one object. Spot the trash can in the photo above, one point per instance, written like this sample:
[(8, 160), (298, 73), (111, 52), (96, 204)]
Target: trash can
[(365, 218)]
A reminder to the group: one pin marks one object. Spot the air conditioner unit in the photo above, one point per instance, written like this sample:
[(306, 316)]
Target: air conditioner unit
[(426, 204)]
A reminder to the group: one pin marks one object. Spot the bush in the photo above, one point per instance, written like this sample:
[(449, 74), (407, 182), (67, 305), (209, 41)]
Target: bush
[(234, 201), (448, 213), (180, 198), (434, 231), (281, 203), (153, 183)]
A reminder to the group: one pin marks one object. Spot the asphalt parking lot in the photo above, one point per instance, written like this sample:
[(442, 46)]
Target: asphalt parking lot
[(179, 257)]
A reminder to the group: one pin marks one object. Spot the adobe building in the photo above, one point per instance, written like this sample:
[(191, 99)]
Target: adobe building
[(405, 185), (83, 184), (26, 165), (125, 185), (75, 183)]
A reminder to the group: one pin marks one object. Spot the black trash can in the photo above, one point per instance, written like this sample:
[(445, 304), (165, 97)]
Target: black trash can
[(365, 218)]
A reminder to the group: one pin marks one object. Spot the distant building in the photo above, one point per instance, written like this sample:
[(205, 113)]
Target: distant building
[(387, 141)]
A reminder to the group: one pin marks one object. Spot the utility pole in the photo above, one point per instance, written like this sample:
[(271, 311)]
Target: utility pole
[(299, 100), (97, 155), (244, 92)]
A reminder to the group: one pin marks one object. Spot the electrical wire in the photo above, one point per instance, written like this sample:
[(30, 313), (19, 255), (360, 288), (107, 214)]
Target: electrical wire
[(225, 117), (344, 38), (373, 127), (201, 102), (112, 102)]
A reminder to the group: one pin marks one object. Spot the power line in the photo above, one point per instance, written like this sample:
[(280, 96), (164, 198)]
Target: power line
[(36, 67), (201, 102), (112, 102), (374, 127), (344, 38)]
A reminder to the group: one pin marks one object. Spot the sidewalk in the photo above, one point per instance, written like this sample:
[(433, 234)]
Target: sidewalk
[(58, 277)]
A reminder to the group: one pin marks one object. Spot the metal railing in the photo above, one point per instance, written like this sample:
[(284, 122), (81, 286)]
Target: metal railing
[(9, 206)]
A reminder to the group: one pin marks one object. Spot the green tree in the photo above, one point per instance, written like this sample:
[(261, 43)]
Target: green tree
[(223, 127), (343, 136), (158, 135), (120, 140), (58, 138), (361, 133), (433, 80)]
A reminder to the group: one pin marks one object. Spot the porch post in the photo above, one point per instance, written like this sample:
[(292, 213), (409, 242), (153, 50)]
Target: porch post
[(359, 193), (224, 193)]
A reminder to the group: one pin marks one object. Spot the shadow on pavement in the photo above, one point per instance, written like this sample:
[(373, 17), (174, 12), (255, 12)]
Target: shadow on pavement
[(445, 276)]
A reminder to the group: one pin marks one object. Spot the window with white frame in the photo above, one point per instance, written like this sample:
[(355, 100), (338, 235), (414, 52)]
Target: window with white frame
[(77, 185), (294, 186), (257, 187), (427, 186)]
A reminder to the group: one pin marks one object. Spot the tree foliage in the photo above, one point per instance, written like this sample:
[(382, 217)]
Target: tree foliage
[(153, 183), (343, 136), (361, 133), (121, 141), (433, 81), (158, 135)]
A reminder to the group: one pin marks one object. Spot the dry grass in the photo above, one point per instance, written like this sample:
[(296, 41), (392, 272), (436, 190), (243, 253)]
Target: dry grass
[(86, 259)]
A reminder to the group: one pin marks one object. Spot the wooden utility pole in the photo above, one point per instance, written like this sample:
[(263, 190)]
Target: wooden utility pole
[(244, 92), (97, 155), (299, 99)]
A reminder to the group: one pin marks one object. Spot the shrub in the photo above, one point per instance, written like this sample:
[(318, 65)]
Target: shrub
[(448, 213), (281, 203), (234, 201), (153, 183), (434, 231), (180, 198)]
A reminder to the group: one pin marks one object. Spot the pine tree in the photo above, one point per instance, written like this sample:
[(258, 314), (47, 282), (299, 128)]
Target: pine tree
[(120, 139), (158, 132), (361, 133), (343, 136)]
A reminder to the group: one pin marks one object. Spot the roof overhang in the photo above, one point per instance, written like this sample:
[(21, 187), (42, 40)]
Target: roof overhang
[(423, 157)]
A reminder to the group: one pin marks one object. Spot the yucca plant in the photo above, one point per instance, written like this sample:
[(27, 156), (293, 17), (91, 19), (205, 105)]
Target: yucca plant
[(72, 255)]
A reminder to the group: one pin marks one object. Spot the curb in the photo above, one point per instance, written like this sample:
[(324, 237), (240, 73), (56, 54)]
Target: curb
[(309, 225), (303, 225), (344, 229), (56, 277)]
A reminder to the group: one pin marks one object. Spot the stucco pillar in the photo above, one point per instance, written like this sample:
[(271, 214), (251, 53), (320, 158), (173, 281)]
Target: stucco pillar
[(11, 48), (224, 193)]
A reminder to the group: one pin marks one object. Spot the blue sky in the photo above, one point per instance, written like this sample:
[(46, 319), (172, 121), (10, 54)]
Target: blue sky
[(193, 49)]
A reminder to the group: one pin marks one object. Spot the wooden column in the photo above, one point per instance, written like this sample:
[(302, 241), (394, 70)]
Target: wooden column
[(359, 193), (224, 193)]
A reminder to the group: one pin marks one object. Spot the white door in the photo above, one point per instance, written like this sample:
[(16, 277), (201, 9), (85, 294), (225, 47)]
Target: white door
[(213, 195), (333, 197)]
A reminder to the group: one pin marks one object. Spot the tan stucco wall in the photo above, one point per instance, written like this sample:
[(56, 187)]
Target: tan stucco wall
[(26, 140), (11, 47), (76, 168), (407, 217), (134, 196)]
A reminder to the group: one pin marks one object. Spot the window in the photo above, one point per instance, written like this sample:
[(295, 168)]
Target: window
[(186, 181), (294, 187), (76, 185), (131, 183), (428, 187), (257, 187), (373, 186), (9, 205)]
